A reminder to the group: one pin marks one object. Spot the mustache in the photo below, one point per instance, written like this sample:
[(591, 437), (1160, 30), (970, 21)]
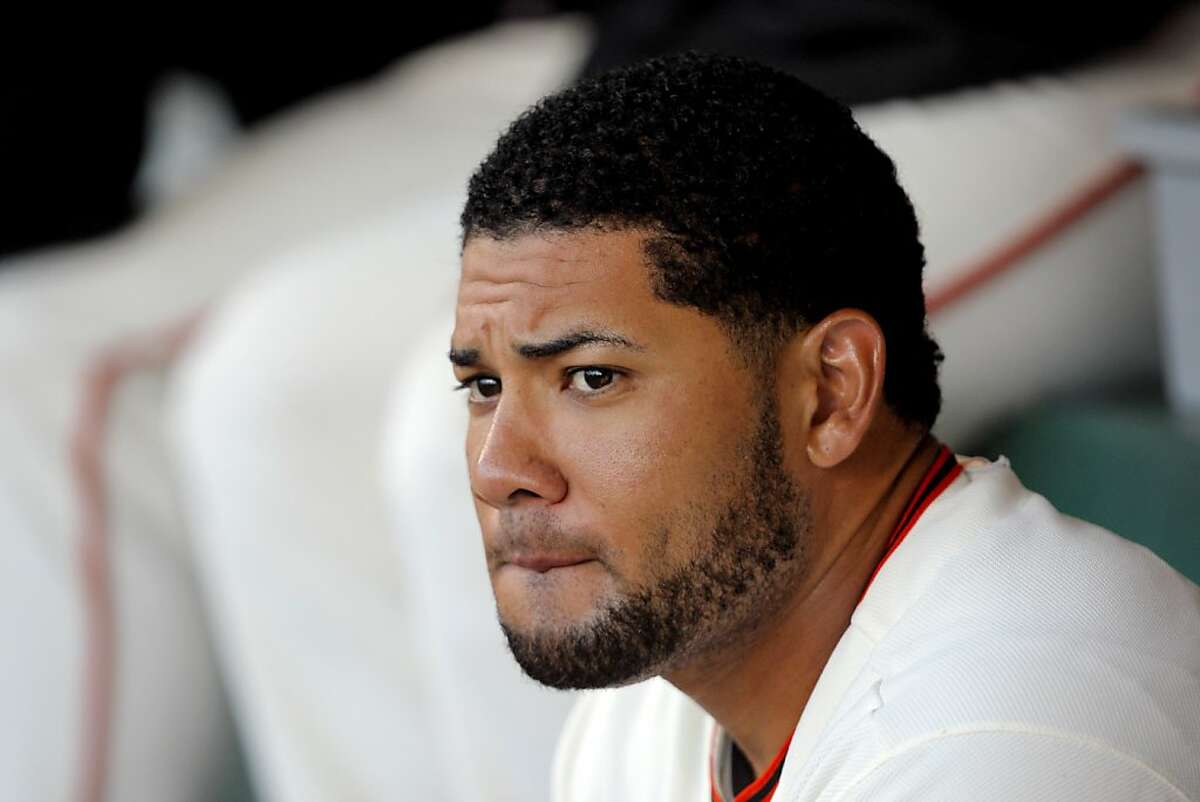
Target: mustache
[(539, 533)]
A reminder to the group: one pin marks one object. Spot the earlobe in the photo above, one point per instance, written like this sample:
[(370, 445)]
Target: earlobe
[(847, 358)]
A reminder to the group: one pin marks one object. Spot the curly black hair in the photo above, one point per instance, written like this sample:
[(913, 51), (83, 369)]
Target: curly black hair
[(769, 206)]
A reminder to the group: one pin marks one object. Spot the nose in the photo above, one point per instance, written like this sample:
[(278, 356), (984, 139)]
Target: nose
[(512, 467)]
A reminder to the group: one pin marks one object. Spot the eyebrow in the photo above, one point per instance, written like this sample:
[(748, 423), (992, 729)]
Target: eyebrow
[(468, 357)]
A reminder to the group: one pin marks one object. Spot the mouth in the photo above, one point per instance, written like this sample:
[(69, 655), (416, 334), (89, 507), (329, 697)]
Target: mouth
[(542, 563)]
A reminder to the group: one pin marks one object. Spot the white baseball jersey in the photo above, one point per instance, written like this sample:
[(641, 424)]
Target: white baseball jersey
[(1004, 651)]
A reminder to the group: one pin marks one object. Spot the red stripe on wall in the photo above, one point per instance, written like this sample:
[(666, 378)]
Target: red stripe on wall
[(100, 384)]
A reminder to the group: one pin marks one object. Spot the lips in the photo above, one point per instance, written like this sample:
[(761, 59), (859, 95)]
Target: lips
[(548, 562)]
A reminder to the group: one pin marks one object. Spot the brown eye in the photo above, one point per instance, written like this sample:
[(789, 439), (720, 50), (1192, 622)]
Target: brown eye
[(483, 388), (592, 380)]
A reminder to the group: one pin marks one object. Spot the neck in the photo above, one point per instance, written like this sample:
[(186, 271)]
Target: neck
[(758, 693)]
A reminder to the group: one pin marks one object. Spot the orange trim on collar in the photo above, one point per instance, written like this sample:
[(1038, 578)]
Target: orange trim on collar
[(763, 787)]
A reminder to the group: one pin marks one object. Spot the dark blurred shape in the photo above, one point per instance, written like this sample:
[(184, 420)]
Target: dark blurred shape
[(74, 107), (70, 143), (862, 51)]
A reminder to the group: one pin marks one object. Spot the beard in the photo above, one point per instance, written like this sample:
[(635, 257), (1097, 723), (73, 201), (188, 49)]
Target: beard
[(748, 563)]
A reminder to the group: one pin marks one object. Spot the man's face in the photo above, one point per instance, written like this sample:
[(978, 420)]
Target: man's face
[(626, 465)]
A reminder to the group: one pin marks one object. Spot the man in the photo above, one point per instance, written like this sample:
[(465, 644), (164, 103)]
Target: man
[(691, 330)]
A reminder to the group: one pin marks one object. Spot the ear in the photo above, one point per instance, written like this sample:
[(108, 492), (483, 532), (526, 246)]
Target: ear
[(838, 368)]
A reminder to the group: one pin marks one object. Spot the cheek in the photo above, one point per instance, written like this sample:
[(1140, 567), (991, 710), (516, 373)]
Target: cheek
[(612, 462), (646, 468)]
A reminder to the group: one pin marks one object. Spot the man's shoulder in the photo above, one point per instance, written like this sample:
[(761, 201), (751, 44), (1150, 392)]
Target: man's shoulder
[(1003, 562), (1005, 556), (1031, 624)]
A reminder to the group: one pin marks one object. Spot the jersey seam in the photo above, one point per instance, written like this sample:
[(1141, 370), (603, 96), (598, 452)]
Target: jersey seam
[(1092, 744)]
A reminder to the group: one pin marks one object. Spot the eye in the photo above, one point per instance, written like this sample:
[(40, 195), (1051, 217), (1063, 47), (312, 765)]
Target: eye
[(592, 381), (481, 388)]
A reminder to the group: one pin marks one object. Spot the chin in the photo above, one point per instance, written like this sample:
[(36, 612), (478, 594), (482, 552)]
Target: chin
[(556, 660), (612, 645)]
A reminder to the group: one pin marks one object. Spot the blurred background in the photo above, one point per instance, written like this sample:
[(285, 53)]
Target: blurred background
[(238, 558)]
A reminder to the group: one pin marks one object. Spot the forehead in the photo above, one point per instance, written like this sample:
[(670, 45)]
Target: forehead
[(534, 280)]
